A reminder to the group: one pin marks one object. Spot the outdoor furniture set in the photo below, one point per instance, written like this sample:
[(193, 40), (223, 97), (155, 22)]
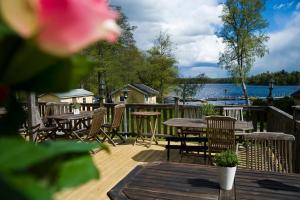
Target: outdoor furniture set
[(268, 161)]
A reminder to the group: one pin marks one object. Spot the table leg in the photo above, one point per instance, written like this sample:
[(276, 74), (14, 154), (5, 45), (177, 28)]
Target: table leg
[(153, 131), (139, 120)]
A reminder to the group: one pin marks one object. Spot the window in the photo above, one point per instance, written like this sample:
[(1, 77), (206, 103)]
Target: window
[(146, 98), (84, 100)]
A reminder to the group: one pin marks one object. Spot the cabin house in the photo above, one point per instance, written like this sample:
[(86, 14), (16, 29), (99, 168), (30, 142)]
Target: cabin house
[(137, 93), (72, 96), (296, 96)]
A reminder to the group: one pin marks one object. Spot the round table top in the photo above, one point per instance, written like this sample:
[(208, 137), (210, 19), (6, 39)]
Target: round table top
[(146, 113)]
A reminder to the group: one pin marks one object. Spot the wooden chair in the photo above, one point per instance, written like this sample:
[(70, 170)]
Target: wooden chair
[(58, 108), (29, 135), (95, 129), (55, 108), (220, 134), (113, 129), (267, 151), (45, 131), (234, 112)]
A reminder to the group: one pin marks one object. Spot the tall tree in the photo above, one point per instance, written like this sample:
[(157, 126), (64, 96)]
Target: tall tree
[(114, 63), (242, 32), (160, 71)]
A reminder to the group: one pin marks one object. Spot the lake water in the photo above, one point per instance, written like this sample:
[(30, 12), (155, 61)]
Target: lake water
[(233, 90)]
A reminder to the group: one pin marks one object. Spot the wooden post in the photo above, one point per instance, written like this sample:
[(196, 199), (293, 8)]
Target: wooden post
[(176, 107), (31, 114), (297, 137)]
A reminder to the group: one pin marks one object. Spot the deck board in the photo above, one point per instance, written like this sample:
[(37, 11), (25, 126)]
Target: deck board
[(117, 165)]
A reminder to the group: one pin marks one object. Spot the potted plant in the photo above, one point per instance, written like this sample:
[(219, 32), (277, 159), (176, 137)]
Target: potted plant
[(76, 108), (226, 162), (208, 109)]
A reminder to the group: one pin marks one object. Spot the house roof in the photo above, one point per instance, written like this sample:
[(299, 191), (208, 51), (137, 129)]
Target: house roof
[(296, 94), (142, 88), (73, 93), (146, 89)]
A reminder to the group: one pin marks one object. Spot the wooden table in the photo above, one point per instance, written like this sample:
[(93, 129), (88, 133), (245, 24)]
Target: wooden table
[(201, 124), (180, 181), (183, 124), (74, 120), (141, 118)]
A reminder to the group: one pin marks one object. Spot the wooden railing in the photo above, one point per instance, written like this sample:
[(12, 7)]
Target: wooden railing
[(257, 114), (264, 119)]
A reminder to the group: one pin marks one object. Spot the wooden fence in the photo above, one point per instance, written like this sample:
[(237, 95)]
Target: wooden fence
[(264, 119)]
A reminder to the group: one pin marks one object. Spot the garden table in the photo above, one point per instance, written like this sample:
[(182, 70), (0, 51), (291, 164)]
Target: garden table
[(200, 125), (141, 118), (192, 181), (74, 121)]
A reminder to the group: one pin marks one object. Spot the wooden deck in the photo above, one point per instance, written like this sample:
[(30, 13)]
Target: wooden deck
[(118, 164)]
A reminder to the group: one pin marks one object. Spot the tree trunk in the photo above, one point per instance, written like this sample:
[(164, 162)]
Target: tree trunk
[(245, 92), (161, 91), (184, 94)]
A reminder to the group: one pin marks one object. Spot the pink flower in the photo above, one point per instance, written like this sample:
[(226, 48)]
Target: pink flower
[(62, 27)]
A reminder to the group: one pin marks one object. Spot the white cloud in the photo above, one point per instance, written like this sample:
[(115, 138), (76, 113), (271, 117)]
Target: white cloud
[(191, 24), (283, 5), (284, 48)]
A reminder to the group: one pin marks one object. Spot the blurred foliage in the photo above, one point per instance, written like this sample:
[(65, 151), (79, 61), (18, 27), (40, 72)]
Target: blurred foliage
[(37, 171)]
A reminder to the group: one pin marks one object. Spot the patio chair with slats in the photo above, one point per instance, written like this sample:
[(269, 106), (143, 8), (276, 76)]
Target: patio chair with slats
[(220, 134), (267, 151), (55, 108), (112, 130), (235, 112), (95, 129)]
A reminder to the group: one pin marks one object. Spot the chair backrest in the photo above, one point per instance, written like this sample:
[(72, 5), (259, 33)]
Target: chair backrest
[(268, 151), (38, 119), (235, 112), (54, 108), (220, 133), (118, 115), (97, 121)]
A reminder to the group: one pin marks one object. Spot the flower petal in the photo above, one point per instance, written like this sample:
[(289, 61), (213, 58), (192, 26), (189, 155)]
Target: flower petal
[(66, 26)]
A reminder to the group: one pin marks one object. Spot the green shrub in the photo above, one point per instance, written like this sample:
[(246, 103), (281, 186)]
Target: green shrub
[(227, 159), (208, 109)]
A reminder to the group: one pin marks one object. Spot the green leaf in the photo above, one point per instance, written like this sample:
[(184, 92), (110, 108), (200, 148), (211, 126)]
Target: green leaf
[(77, 171), (26, 63), (14, 117), (9, 45), (30, 171), (20, 187), (33, 154), (59, 77)]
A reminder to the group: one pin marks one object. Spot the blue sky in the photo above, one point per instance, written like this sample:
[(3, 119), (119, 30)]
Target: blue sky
[(192, 25)]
